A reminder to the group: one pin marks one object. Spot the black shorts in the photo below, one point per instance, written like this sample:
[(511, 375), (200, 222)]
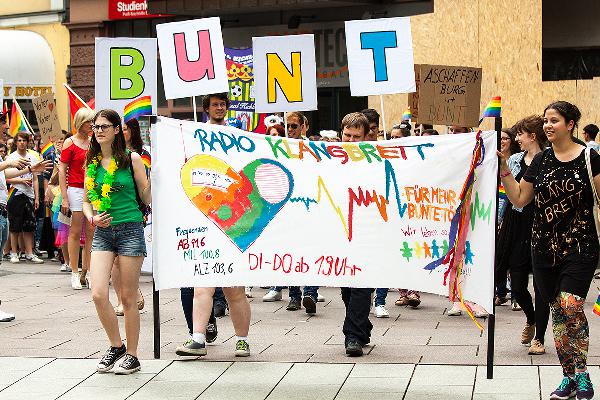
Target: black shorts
[(20, 214), (573, 274)]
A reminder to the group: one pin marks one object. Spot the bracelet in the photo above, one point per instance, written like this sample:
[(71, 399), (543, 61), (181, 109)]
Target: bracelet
[(91, 221), (505, 174)]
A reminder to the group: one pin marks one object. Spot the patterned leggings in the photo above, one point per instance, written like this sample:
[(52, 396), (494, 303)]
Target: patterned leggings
[(571, 332)]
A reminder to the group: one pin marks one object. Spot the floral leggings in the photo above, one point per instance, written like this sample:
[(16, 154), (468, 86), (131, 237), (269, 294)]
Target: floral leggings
[(571, 332)]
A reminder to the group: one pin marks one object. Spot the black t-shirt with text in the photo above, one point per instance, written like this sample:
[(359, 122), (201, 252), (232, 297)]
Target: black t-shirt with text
[(564, 221)]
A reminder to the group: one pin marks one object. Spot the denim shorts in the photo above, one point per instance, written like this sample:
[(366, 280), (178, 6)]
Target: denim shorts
[(126, 239)]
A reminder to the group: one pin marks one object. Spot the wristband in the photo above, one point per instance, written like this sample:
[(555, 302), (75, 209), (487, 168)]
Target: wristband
[(91, 221), (505, 174)]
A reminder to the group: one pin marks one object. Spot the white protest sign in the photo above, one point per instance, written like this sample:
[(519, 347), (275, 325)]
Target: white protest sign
[(47, 117), (236, 208), (126, 75), (285, 73), (380, 56), (147, 264), (192, 57)]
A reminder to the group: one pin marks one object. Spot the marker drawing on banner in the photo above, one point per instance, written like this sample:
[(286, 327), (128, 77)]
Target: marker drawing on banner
[(242, 208), (125, 75), (284, 73), (47, 117), (192, 57), (380, 56)]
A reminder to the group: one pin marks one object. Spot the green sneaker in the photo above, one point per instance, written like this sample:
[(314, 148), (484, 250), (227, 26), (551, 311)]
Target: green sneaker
[(191, 348), (242, 348)]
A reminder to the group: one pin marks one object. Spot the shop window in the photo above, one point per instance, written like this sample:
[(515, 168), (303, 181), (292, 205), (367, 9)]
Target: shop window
[(570, 64)]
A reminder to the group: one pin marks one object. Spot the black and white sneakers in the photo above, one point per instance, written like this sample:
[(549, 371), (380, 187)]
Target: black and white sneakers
[(110, 358), (128, 366)]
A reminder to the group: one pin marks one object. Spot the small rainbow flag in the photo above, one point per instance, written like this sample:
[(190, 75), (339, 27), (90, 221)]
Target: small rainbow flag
[(597, 306), (137, 108), (11, 194), (147, 161), (493, 109), (17, 121), (502, 192), (406, 115), (47, 149)]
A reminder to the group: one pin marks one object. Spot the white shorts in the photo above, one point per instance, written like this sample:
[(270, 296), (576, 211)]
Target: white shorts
[(75, 196)]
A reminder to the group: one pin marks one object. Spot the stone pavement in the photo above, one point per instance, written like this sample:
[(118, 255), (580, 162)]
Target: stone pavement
[(50, 350)]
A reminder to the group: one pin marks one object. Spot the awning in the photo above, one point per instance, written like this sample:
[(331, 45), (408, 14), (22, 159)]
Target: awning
[(28, 67)]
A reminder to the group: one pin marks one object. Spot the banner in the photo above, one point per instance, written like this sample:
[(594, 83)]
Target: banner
[(237, 208), (126, 75), (240, 73), (47, 118), (380, 56), (192, 57), (285, 75)]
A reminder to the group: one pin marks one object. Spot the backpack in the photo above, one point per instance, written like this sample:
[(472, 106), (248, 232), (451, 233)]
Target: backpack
[(144, 208)]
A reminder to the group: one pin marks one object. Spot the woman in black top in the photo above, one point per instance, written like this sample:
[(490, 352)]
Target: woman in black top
[(564, 241)]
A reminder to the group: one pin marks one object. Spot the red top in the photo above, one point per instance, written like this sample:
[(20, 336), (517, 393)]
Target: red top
[(74, 157)]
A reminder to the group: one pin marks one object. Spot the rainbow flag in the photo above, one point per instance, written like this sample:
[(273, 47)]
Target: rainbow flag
[(11, 194), (47, 149), (137, 108), (493, 109), (146, 160), (597, 306), (17, 120), (75, 103), (406, 115), (502, 192)]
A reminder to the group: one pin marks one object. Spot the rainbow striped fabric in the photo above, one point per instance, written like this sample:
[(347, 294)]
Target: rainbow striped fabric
[(47, 149), (17, 122), (502, 192), (406, 115), (493, 109), (146, 160), (597, 306), (137, 108), (11, 194)]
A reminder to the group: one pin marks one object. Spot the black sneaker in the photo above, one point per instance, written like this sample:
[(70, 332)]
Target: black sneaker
[(129, 365), (211, 332), (565, 390), (109, 359), (584, 389), (220, 310), (310, 305), (191, 348), (294, 305), (353, 348)]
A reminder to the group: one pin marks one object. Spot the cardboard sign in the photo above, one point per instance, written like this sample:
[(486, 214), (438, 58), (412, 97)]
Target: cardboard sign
[(47, 117), (285, 73), (125, 71), (224, 198), (380, 56), (446, 95), (192, 57)]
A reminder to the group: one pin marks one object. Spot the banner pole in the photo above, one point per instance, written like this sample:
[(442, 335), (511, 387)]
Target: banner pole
[(155, 293), (285, 123), (194, 105), (383, 117), (491, 323)]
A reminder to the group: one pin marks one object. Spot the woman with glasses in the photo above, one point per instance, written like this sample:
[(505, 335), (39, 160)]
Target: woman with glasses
[(71, 176), (119, 232)]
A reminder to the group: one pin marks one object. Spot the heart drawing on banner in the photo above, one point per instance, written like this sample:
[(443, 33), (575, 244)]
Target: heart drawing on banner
[(240, 203), (50, 106)]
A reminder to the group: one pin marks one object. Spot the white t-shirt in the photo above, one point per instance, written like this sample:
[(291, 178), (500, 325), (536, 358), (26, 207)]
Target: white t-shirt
[(21, 188), (3, 187)]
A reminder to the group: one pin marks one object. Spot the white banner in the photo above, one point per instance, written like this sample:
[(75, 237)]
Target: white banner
[(237, 208), (192, 57), (125, 73), (380, 56), (285, 73)]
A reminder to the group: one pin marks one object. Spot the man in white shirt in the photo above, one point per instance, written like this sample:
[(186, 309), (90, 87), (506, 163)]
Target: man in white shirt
[(589, 136)]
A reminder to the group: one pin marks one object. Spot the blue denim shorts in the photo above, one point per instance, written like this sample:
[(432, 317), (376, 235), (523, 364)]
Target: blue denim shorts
[(126, 239)]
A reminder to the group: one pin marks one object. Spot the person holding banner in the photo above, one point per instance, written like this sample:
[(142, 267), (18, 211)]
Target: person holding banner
[(114, 179), (564, 240), (357, 326), (71, 176)]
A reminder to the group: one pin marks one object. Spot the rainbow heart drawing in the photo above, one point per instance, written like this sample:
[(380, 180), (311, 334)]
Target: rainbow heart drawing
[(240, 203)]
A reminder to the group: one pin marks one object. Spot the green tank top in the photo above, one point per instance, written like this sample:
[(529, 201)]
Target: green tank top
[(123, 202)]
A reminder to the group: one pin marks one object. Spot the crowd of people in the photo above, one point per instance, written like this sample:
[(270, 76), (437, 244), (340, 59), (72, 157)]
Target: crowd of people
[(97, 188)]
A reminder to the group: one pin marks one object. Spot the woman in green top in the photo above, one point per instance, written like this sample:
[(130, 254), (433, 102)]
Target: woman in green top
[(110, 204)]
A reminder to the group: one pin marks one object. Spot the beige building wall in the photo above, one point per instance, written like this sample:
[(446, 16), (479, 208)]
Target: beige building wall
[(28, 6), (504, 38)]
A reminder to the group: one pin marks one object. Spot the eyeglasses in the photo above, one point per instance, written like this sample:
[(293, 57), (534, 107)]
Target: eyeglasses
[(504, 138), (293, 126), (100, 128)]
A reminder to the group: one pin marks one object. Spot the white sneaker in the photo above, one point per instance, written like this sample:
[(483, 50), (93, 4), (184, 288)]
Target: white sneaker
[(65, 268), (249, 292), (75, 284), (32, 258), (320, 298), (272, 295), (6, 317), (381, 312), (14, 258), (455, 310)]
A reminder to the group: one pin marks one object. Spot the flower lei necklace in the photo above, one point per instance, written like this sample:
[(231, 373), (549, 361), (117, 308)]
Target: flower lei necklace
[(100, 202)]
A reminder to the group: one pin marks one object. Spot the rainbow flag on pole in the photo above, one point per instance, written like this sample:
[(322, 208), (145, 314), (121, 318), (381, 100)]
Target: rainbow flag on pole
[(137, 108), (493, 109), (47, 149), (75, 103), (597, 306), (17, 120), (406, 115)]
